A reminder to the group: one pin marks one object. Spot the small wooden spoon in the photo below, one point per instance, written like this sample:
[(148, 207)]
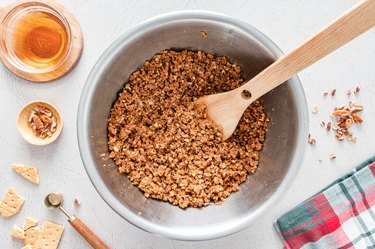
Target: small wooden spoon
[(225, 109)]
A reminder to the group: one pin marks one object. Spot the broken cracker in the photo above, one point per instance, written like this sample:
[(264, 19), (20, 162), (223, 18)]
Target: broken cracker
[(50, 236), (11, 203), (17, 232), (27, 171), (31, 235), (27, 247), (29, 223)]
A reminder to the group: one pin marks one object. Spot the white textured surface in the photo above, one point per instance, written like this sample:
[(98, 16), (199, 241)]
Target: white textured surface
[(287, 22)]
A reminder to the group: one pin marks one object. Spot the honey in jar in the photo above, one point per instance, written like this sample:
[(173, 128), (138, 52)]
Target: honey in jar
[(39, 38)]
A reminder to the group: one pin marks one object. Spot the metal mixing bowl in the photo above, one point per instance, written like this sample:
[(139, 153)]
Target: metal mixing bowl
[(280, 159)]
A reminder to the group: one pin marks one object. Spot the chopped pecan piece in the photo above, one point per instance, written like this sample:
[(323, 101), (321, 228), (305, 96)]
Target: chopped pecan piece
[(42, 121), (345, 117), (357, 118)]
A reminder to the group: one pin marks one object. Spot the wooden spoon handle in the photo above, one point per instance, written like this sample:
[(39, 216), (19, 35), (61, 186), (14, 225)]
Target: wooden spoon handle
[(87, 233), (350, 25)]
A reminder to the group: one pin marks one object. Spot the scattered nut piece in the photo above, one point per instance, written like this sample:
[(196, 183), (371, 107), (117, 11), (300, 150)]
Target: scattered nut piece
[(329, 124), (357, 118), (348, 93), (332, 156), (311, 140), (357, 89), (352, 138), (314, 109), (356, 108), (76, 202), (322, 124), (333, 92), (203, 34), (325, 93)]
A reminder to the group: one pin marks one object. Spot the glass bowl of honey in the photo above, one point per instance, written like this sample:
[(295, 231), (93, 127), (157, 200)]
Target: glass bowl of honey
[(35, 37)]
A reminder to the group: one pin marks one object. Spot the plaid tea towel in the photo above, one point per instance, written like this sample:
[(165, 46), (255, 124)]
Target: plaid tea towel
[(341, 216)]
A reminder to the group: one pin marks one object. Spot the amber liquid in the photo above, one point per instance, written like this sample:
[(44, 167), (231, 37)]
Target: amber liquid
[(40, 39)]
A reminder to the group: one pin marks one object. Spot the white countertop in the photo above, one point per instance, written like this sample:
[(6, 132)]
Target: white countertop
[(286, 22)]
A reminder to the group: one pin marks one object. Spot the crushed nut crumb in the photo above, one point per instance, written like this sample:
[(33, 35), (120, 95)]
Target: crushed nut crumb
[(333, 92), (203, 34), (325, 93), (352, 138), (357, 90), (332, 156), (311, 140), (314, 109), (76, 202), (329, 124)]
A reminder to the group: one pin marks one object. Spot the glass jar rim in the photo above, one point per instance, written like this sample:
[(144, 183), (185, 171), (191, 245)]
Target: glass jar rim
[(31, 7)]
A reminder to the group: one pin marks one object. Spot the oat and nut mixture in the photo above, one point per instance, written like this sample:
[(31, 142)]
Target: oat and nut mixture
[(169, 149)]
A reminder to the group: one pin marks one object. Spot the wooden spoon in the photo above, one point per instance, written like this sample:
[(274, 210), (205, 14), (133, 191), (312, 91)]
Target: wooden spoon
[(225, 109)]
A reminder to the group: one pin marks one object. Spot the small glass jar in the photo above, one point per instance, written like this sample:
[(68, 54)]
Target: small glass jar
[(35, 38)]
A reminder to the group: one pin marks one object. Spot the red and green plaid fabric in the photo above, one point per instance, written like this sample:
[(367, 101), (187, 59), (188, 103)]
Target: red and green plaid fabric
[(340, 216)]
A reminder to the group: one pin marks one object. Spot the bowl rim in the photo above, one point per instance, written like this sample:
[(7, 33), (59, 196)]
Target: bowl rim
[(84, 136)]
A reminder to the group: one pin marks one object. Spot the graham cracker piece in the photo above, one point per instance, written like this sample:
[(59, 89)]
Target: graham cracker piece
[(11, 203), (50, 236), (17, 232), (27, 171), (27, 247), (29, 223), (31, 235)]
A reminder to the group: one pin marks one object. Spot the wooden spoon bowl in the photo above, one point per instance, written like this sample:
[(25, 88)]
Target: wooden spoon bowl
[(27, 132)]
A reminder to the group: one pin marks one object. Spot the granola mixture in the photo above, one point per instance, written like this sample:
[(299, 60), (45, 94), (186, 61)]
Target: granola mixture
[(169, 149)]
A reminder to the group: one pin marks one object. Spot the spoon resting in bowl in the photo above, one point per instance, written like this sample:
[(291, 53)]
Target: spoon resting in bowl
[(226, 109)]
